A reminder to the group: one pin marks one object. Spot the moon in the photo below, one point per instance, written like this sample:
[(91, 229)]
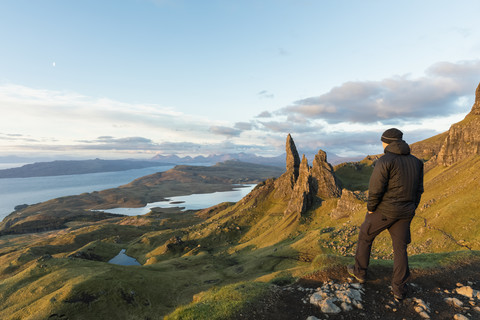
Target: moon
[(53, 64)]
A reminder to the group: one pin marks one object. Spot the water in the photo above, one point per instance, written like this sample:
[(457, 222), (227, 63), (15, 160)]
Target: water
[(190, 202), (17, 191), (124, 260)]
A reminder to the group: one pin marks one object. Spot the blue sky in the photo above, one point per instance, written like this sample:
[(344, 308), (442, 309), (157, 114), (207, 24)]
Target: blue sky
[(119, 79)]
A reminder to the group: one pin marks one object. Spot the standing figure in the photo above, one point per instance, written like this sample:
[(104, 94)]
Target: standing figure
[(394, 192)]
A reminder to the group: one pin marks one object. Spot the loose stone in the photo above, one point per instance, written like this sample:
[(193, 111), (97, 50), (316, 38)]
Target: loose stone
[(454, 301), (466, 291), (459, 316), (328, 306)]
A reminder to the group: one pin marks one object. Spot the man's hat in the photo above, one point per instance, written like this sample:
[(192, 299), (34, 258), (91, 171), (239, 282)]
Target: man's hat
[(391, 135)]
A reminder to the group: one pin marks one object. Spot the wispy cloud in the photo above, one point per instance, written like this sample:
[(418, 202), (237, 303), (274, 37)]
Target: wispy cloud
[(264, 114), (245, 126), (264, 94), (225, 131)]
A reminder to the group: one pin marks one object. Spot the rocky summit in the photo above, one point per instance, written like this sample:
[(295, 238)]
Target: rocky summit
[(463, 138)]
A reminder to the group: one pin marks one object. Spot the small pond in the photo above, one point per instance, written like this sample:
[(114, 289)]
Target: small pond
[(124, 260)]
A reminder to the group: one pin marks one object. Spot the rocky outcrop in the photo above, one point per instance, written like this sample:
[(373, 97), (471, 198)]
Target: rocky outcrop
[(349, 203), (463, 139), (303, 193), (333, 298), (293, 160), (295, 186), (322, 172), (301, 184), (286, 182), (476, 105)]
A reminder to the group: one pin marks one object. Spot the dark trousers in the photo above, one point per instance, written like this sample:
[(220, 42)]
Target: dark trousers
[(399, 232)]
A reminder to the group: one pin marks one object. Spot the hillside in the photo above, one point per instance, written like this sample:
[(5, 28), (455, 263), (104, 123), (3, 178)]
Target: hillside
[(276, 254), (181, 180), (70, 167)]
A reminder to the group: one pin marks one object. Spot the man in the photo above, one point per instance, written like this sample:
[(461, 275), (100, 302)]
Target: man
[(394, 192)]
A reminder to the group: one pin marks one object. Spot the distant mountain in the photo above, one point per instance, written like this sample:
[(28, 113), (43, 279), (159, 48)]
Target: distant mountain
[(68, 167), (278, 161)]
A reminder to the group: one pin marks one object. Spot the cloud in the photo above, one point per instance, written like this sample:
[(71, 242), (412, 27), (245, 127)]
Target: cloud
[(264, 114), (15, 137), (68, 116), (225, 131), (286, 126), (112, 143), (264, 94), (398, 98), (244, 126)]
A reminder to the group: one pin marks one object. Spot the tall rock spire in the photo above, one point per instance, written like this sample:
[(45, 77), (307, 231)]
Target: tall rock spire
[(322, 172), (303, 193), (293, 160), (285, 183)]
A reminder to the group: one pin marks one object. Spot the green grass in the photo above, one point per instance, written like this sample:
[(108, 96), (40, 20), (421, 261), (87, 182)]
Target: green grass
[(444, 259), (354, 175), (221, 303)]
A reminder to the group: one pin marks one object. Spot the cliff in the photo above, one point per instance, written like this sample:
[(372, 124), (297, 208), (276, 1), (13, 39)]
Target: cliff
[(463, 138)]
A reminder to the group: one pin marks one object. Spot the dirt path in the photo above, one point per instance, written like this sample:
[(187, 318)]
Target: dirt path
[(431, 286)]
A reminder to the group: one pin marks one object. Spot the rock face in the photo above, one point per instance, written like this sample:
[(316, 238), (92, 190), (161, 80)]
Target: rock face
[(301, 184), (349, 203), (303, 193), (463, 139), (286, 182), (322, 172), (293, 160), (476, 105)]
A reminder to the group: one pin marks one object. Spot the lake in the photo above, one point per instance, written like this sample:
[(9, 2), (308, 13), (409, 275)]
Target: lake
[(15, 191), (190, 202)]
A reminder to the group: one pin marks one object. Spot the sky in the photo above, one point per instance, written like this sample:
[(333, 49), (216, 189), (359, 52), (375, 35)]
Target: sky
[(135, 78)]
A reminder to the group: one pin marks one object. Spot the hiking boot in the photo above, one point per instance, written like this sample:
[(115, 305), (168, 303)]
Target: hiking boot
[(351, 271)]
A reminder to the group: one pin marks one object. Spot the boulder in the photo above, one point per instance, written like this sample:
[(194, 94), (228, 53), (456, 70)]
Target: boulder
[(348, 203)]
